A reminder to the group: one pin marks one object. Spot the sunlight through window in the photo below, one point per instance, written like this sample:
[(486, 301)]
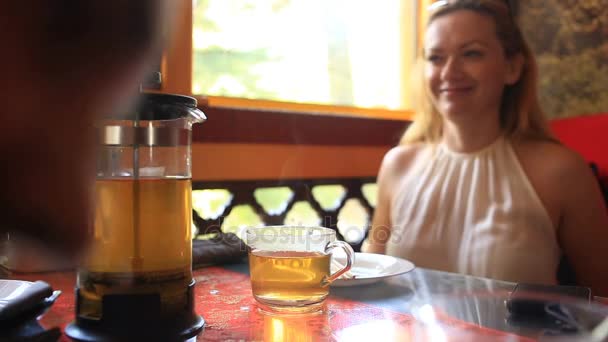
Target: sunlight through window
[(337, 52)]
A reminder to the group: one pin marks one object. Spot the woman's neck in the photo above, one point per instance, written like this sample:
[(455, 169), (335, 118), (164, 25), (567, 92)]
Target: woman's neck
[(470, 136)]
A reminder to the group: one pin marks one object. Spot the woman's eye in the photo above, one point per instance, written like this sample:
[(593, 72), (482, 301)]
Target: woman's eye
[(473, 53), (433, 58)]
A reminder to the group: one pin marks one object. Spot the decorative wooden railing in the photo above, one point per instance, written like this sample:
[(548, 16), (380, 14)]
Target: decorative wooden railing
[(302, 191)]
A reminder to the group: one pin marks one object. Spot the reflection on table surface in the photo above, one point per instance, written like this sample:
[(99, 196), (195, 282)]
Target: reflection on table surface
[(466, 308)]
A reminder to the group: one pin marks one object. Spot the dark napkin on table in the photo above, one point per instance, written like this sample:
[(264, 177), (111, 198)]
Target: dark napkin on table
[(21, 303), (222, 248)]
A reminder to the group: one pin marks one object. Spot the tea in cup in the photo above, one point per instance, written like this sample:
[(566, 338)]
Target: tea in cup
[(290, 266)]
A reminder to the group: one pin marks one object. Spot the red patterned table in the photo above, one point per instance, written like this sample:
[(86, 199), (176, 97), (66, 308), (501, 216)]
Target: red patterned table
[(374, 312)]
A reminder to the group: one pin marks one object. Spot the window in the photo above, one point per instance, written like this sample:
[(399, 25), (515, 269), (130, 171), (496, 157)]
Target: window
[(337, 52), (328, 53)]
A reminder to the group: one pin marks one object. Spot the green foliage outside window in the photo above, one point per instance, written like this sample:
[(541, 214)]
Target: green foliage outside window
[(308, 51)]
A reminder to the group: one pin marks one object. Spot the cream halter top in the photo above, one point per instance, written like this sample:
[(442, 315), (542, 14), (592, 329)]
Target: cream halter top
[(474, 213)]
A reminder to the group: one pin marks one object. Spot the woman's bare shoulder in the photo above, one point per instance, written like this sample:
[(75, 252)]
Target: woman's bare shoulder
[(552, 159), (401, 157)]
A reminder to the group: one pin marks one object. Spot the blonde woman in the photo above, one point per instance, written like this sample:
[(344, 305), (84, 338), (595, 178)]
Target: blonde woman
[(478, 185)]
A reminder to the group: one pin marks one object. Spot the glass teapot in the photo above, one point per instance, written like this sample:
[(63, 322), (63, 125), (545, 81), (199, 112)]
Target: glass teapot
[(143, 188), (141, 252)]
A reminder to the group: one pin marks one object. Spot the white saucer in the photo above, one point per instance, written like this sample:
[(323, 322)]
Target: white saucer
[(370, 268)]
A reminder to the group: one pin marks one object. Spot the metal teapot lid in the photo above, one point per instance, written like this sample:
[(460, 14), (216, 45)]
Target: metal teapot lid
[(153, 106), (156, 106), (135, 127)]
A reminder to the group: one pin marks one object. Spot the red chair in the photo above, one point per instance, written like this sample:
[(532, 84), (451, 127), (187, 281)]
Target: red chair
[(588, 135)]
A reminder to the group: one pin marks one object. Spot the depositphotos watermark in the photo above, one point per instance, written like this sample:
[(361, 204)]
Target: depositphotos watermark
[(297, 237)]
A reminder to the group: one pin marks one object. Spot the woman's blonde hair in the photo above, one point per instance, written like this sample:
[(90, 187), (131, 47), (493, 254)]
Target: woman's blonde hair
[(520, 111)]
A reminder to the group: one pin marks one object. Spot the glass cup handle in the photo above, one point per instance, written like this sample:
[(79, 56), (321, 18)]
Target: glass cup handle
[(350, 259)]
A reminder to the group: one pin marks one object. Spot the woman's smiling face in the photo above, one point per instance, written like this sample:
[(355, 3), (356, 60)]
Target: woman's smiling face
[(466, 69)]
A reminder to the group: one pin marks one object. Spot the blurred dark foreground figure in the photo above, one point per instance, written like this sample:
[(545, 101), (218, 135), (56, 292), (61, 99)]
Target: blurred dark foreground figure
[(64, 63)]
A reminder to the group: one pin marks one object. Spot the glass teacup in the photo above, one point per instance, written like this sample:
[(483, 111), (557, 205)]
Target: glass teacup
[(290, 266)]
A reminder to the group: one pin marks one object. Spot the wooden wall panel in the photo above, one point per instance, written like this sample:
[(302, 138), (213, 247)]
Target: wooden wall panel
[(225, 162)]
